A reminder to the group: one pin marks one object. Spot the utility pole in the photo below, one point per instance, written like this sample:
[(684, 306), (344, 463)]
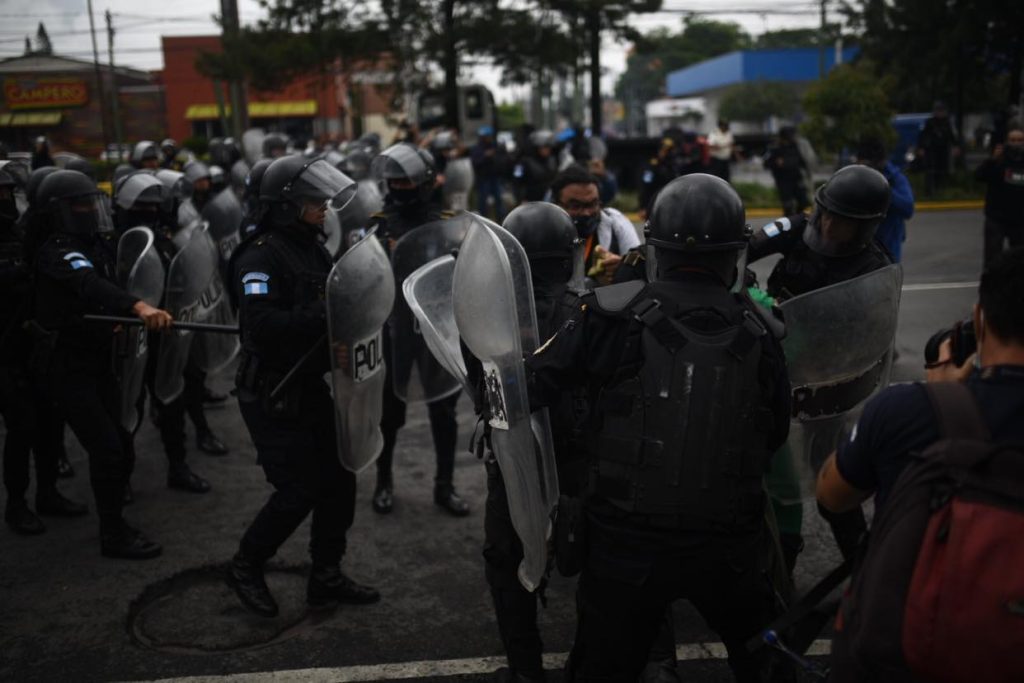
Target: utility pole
[(821, 43), (236, 87), (113, 77), (99, 82)]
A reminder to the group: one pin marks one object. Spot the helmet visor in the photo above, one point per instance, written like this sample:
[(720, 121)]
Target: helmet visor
[(319, 182), (400, 161), (88, 214)]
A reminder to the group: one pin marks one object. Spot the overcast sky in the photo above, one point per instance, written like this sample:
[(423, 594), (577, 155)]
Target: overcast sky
[(139, 26)]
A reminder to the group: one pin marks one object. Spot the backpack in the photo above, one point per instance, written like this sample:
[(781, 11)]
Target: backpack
[(938, 594)]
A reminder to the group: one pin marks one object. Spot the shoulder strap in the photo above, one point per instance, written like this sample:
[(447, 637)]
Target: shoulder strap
[(957, 411)]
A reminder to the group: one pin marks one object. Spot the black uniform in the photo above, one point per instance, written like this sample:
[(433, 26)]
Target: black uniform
[(675, 505), (787, 166), (532, 176), (279, 276), (391, 224), (76, 275)]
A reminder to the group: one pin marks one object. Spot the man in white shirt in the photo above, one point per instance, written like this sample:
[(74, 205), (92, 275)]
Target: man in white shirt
[(723, 147)]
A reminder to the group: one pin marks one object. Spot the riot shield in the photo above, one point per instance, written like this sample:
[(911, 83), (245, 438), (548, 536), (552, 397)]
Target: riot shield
[(239, 172), (428, 291), (495, 316), (838, 346), (416, 375), (252, 145), (355, 217), (332, 234), (191, 294), (458, 181), (141, 273), (360, 294), (223, 213)]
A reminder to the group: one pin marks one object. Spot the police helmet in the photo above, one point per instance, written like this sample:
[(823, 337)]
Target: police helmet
[(218, 179), (196, 170), (169, 147), (698, 213), (545, 230), (542, 138), (143, 151), (82, 165), (122, 170), (75, 201), (356, 164), (139, 188), (274, 146), (855, 192), (35, 179), (291, 182), (254, 178), (406, 162)]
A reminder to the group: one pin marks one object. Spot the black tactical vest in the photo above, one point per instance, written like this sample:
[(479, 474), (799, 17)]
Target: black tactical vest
[(803, 270), (682, 429)]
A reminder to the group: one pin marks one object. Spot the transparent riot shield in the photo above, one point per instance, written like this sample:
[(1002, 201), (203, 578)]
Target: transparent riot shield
[(239, 172), (360, 294), (416, 375), (458, 181), (428, 292), (355, 217), (191, 278), (141, 272), (838, 346), (252, 145), (493, 302), (332, 232), (223, 214)]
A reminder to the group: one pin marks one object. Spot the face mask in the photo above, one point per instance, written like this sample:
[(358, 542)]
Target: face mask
[(84, 222), (150, 219), (586, 225), (404, 197)]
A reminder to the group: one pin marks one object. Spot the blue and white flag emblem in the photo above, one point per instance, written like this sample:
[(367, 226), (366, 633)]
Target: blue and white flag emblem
[(77, 259), (256, 283)]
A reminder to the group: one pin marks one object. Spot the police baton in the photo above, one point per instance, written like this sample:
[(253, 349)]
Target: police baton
[(298, 366), (192, 327)]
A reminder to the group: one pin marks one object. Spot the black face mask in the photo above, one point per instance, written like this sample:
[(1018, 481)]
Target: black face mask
[(405, 197), (586, 225), (133, 218), (84, 223)]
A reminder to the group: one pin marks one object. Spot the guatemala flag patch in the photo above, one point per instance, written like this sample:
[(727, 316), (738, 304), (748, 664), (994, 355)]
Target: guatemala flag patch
[(256, 283), (78, 260)]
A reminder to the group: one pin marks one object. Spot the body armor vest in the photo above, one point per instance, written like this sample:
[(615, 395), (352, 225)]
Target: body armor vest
[(803, 270), (683, 427)]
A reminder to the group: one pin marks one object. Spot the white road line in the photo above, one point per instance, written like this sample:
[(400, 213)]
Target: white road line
[(445, 667), (932, 286)]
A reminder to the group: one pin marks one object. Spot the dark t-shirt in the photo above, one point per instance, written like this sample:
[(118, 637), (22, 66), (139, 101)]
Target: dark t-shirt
[(900, 421)]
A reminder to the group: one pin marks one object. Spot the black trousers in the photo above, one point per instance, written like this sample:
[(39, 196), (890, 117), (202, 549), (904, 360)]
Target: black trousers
[(632, 576), (515, 608), (997, 235), (83, 386), (171, 415), (34, 427), (299, 457), (444, 429)]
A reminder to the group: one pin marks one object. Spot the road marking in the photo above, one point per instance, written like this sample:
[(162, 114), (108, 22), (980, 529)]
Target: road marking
[(440, 668), (932, 286)]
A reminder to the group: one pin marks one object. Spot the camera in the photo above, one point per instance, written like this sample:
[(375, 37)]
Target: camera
[(963, 343)]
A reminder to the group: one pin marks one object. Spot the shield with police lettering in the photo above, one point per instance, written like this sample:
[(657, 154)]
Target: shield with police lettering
[(193, 291), (141, 273), (495, 315), (839, 342), (360, 294), (416, 374)]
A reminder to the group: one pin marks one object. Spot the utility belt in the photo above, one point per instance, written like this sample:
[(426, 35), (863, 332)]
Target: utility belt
[(257, 382)]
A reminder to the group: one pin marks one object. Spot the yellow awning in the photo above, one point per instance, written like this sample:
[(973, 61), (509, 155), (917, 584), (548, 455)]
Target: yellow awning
[(21, 119), (200, 112)]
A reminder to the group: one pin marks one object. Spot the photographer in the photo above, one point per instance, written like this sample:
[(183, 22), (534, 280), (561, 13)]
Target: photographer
[(901, 421), (1004, 198)]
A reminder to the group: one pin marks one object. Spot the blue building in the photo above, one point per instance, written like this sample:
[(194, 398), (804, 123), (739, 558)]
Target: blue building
[(712, 78)]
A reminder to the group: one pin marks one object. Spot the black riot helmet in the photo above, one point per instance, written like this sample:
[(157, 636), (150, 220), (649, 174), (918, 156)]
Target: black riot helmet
[(139, 199), (75, 203), (548, 236), (145, 152), (356, 164), (293, 181), (405, 162), (36, 179), (225, 153), (218, 179), (196, 172), (83, 166), (254, 178), (274, 146), (859, 197)]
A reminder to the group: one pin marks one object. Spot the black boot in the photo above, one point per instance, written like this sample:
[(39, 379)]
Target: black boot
[(445, 497), (246, 578), (53, 503), (327, 585), (383, 500), (180, 477), (119, 540), (22, 520), (208, 443)]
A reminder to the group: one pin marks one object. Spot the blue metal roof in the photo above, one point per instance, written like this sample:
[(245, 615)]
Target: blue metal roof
[(791, 64)]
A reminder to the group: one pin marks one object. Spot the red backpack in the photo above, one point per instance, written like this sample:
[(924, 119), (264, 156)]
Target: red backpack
[(939, 592)]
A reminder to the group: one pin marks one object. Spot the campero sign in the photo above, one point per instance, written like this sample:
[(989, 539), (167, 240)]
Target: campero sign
[(45, 93)]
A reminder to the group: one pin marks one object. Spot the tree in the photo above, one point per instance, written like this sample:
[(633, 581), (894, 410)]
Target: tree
[(844, 107), (785, 38), (758, 100), (510, 116), (43, 46), (660, 52)]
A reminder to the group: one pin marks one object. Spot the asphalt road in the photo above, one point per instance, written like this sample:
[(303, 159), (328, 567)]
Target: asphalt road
[(69, 614)]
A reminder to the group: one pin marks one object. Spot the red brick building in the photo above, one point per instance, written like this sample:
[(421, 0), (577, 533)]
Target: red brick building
[(334, 105)]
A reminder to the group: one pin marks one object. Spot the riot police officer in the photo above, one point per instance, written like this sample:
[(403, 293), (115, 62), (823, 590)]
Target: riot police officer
[(836, 243), (278, 276), (411, 201), (145, 154), (34, 425), (168, 150), (689, 399), (536, 167), (75, 275)]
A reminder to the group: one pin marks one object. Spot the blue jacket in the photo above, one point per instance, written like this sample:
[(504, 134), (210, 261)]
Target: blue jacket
[(893, 229)]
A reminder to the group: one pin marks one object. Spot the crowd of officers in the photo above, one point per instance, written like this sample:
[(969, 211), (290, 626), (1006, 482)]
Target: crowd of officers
[(669, 509)]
